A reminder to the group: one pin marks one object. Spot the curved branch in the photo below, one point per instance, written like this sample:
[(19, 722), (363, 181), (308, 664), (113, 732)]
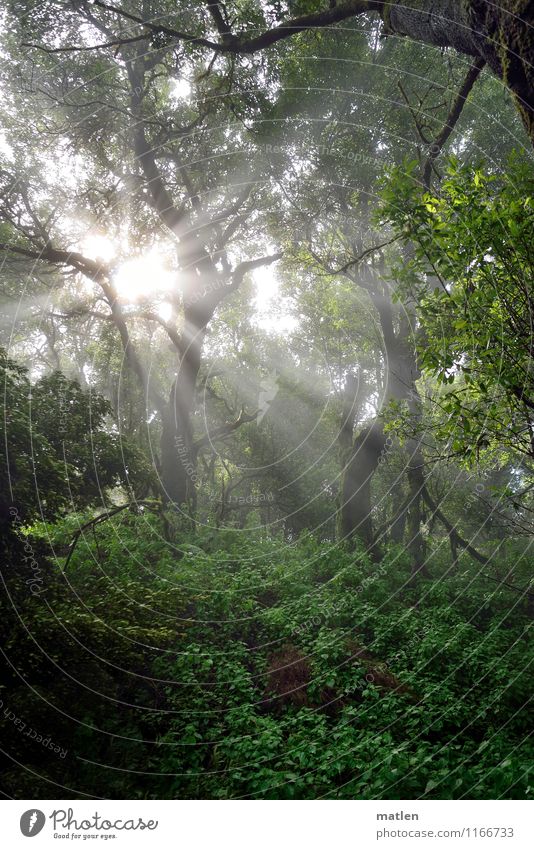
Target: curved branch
[(73, 48), (452, 118), (248, 265), (226, 429), (231, 43), (99, 273), (462, 543), (103, 517)]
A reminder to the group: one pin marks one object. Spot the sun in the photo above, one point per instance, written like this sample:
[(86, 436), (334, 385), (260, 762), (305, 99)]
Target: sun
[(144, 277), (148, 277), (271, 312), (97, 246), (137, 278), (180, 89)]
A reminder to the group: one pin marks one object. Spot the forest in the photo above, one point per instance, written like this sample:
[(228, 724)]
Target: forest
[(267, 363)]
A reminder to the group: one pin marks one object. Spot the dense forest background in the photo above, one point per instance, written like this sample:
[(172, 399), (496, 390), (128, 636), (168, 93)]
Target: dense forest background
[(266, 353)]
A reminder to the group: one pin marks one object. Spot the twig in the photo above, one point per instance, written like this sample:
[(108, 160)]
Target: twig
[(103, 517), (452, 119), (460, 541), (73, 48)]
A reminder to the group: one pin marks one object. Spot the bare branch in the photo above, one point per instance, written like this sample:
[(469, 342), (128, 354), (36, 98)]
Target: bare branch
[(367, 252), (231, 43), (249, 265), (74, 48), (226, 429), (452, 118), (103, 517), (100, 273)]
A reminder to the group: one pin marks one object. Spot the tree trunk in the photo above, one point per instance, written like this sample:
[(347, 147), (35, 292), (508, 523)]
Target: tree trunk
[(178, 463), (361, 458), (501, 36), (416, 482), (405, 384), (355, 520), (398, 523), (178, 451)]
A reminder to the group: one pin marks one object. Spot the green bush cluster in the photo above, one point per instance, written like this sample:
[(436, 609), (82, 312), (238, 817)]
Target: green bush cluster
[(153, 665)]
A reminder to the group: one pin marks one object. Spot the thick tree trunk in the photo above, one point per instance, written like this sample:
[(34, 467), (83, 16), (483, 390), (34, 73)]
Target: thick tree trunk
[(405, 385), (498, 33), (502, 38), (178, 451), (398, 523), (361, 457), (354, 503), (178, 461), (355, 519)]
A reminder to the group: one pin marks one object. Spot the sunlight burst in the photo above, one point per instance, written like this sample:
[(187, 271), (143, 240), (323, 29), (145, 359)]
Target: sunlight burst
[(145, 276), (99, 247), (180, 89), (271, 311)]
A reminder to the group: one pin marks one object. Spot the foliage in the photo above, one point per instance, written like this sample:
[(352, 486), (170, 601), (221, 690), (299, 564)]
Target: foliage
[(470, 271), (60, 454), (167, 666)]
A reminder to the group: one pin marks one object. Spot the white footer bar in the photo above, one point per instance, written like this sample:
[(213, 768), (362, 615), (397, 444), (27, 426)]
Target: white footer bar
[(269, 824)]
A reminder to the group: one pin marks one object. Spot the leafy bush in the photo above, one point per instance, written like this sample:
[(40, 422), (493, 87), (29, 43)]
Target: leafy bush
[(249, 667), (61, 449)]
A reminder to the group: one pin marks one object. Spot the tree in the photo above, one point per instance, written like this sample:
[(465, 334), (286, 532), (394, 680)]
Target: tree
[(203, 212), (336, 247), (499, 36), (139, 58), (473, 237), (60, 452)]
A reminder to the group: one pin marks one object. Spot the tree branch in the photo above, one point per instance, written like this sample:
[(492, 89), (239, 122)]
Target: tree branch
[(103, 517), (452, 118), (100, 273), (225, 429), (74, 48), (248, 265), (460, 541), (231, 43), (367, 252)]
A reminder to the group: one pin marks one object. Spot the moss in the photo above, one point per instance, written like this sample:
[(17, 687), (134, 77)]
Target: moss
[(501, 36), (508, 48)]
